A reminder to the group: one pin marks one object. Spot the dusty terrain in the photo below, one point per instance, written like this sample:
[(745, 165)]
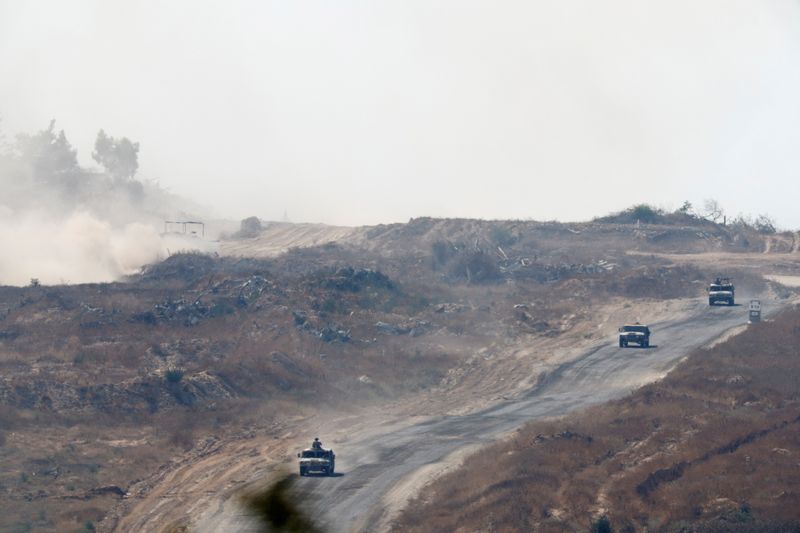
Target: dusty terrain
[(147, 404), (379, 472), (712, 447), (208, 482)]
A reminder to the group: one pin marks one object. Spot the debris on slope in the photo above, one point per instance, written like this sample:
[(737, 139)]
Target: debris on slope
[(149, 393), (184, 267), (354, 280), (414, 328), (449, 307)]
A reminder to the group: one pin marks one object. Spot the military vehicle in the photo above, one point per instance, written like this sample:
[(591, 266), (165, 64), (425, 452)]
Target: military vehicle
[(754, 311), (721, 291), (634, 333), (317, 460)]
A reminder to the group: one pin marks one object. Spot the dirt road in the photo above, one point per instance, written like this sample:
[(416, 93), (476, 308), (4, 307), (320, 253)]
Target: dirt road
[(380, 469)]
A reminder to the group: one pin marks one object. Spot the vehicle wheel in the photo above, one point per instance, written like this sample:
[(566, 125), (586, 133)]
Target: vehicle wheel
[(625, 344), (621, 344), (302, 471), (711, 302), (646, 344), (732, 302)]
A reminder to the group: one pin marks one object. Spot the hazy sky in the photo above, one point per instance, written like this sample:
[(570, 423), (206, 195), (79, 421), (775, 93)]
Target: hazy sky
[(366, 112)]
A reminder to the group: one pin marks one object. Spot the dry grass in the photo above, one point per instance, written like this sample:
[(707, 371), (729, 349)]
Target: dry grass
[(86, 396), (714, 446), (85, 365)]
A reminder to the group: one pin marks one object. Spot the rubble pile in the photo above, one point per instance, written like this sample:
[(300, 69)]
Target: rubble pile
[(328, 333), (190, 313), (149, 393), (220, 301), (355, 280), (414, 328), (525, 268)]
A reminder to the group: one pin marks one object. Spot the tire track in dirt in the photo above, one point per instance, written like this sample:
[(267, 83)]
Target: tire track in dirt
[(376, 466), (202, 487)]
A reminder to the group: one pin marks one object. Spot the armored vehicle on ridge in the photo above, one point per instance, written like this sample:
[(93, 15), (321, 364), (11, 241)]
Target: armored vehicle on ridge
[(634, 333), (317, 460), (721, 291)]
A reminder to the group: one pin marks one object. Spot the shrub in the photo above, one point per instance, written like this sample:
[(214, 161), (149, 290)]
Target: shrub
[(648, 214), (645, 213), (174, 375), (476, 267), (765, 224), (146, 317), (502, 236), (156, 349), (329, 305), (601, 525)]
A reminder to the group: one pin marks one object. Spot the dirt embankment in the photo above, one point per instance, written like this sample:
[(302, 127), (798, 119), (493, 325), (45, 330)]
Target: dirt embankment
[(102, 385), (118, 385), (712, 447), (203, 488), (536, 239)]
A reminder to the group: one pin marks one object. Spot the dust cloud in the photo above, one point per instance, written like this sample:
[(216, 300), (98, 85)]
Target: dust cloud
[(80, 248), (62, 223)]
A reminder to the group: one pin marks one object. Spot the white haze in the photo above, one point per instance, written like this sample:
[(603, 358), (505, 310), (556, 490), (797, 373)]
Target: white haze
[(62, 223), (363, 112)]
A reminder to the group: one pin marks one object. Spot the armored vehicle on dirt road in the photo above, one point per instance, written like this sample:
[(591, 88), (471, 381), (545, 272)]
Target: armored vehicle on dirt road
[(721, 291), (634, 333), (754, 311), (317, 460)]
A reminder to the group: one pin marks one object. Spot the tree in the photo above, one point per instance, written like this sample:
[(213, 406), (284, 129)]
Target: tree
[(50, 155), (764, 224), (646, 214), (712, 210), (686, 208), (120, 157)]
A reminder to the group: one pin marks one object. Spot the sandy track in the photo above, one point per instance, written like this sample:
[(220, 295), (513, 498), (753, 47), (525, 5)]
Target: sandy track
[(278, 237), (384, 465), (201, 486)]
